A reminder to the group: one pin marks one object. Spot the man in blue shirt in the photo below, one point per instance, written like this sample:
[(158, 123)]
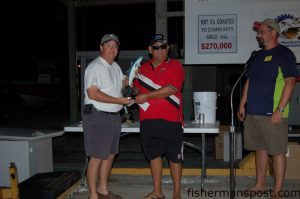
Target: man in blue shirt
[(267, 91)]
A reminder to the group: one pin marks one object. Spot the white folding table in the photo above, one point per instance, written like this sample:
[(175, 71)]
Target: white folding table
[(189, 127), (29, 149)]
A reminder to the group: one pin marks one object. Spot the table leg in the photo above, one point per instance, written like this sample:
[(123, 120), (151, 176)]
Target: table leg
[(203, 168), (84, 171)]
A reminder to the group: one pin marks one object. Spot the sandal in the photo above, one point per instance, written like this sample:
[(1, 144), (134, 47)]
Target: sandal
[(110, 195), (152, 196)]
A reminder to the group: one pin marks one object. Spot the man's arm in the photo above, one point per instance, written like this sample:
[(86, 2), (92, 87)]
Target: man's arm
[(285, 98), (96, 94), (242, 111), (162, 92)]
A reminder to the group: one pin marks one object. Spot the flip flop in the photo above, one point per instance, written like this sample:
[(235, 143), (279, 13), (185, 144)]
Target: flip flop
[(152, 196)]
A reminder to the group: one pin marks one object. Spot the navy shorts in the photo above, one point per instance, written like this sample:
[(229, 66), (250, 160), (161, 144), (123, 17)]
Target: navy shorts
[(161, 137)]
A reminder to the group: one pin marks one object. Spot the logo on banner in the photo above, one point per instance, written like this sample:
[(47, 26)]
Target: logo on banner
[(289, 30)]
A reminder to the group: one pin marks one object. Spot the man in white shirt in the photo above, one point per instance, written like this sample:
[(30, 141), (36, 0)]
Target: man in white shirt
[(103, 82)]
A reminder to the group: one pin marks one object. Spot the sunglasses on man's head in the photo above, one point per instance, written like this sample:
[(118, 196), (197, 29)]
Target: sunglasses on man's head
[(164, 46)]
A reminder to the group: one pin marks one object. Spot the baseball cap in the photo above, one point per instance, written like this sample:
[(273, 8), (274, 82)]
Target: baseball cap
[(158, 38), (109, 37), (270, 22)]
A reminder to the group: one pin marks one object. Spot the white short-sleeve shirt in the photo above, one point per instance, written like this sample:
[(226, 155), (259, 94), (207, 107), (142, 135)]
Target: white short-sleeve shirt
[(108, 78)]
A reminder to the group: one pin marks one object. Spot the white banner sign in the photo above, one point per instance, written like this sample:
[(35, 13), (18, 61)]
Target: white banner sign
[(217, 33), (221, 31)]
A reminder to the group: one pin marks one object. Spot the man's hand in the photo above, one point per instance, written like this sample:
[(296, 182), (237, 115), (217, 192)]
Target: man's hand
[(241, 113), (276, 117), (142, 98), (125, 100)]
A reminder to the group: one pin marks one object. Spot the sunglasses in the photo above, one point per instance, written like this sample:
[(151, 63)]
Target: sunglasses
[(164, 46)]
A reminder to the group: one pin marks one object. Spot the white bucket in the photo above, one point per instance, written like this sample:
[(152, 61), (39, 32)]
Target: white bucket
[(205, 102)]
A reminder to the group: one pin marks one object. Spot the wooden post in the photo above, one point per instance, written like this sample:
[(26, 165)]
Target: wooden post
[(74, 114), (161, 17), (13, 191)]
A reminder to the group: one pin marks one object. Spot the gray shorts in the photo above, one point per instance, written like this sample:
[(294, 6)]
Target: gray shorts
[(261, 134), (101, 134)]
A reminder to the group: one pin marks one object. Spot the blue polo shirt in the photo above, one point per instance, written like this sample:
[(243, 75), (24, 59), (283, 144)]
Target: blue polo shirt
[(266, 75)]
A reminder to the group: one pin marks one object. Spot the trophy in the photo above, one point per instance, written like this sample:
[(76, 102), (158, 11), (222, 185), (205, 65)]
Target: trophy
[(128, 91)]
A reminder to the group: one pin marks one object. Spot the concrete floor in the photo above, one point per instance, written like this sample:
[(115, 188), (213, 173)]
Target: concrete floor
[(215, 187), (71, 156)]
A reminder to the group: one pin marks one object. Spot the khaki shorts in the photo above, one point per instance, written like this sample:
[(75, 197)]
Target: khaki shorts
[(261, 134)]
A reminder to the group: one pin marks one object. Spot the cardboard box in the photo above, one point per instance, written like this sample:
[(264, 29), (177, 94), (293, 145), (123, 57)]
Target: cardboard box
[(221, 149), (293, 161), (219, 145), (224, 128)]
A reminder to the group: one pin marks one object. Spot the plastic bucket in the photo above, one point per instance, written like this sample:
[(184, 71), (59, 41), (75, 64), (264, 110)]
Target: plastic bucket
[(205, 102)]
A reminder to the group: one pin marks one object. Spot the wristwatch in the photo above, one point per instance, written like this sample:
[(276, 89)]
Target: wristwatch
[(279, 109)]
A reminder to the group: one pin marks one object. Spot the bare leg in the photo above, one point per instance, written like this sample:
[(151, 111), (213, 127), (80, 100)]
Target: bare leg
[(176, 172), (105, 170), (156, 171), (261, 162), (93, 176), (279, 166)]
